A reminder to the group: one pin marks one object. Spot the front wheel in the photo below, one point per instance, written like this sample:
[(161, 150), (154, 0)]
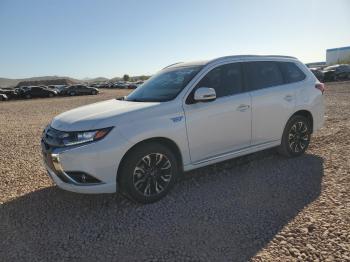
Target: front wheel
[(148, 173), (296, 137)]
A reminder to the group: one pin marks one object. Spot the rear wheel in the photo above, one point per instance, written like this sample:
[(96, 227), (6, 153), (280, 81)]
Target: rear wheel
[(296, 137), (50, 95), (28, 96), (148, 173), (72, 93)]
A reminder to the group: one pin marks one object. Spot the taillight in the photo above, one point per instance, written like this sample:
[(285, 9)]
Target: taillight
[(320, 86)]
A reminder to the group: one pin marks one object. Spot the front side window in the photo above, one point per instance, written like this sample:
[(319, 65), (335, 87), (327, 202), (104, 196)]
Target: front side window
[(263, 74), (225, 79), (165, 85), (291, 72)]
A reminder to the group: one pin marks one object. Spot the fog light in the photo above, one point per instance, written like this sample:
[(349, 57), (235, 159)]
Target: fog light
[(83, 178)]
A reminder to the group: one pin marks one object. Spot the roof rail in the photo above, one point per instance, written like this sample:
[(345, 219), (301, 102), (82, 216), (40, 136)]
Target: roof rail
[(282, 56), (245, 56), (172, 65)]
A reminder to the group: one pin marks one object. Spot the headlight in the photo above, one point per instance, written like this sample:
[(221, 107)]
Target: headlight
[(81, 137)]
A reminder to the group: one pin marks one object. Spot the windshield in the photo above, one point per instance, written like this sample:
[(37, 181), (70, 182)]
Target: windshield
[(165, 85)]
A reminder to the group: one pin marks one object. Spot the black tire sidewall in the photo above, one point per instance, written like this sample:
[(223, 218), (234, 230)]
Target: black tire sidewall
[(284, 148), (126, 173)]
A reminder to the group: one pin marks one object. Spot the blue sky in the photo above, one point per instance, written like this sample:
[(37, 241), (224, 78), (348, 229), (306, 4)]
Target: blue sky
[(90, 38)]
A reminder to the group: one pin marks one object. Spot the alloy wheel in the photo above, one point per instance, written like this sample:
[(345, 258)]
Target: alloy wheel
[(298, 137), (152, 174)]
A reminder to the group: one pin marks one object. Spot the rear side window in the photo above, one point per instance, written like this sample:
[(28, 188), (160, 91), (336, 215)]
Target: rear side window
[(291, 72), (263, 74), (226, 80)]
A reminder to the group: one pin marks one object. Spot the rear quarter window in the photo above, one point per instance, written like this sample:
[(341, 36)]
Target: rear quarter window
[(291, 72)]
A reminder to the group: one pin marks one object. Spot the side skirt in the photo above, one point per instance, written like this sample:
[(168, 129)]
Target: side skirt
[(232, 154)]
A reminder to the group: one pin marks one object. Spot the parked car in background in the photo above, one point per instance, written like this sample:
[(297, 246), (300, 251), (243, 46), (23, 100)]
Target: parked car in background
[(318, 73), (20, 90), (57, 88), (186, 116), (337, 72), (38, 91), (132, 85), (80, 90), (103, 85), (120, 85), (3, 97), (10, 94)]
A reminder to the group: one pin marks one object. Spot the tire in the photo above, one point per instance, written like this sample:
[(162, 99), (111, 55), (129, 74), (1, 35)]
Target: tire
[(50, 95), (28, 96), (296, 137), (72, 93), (148, 173), (93, 92)]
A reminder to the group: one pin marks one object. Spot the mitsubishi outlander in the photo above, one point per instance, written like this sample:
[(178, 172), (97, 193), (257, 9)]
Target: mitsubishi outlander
[(186, 116)]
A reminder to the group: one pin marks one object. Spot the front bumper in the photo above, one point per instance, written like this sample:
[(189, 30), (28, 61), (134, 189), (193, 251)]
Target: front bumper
[(98, 160), (84, 189)]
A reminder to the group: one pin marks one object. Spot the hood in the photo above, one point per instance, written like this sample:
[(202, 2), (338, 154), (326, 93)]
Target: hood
[(90, 116)]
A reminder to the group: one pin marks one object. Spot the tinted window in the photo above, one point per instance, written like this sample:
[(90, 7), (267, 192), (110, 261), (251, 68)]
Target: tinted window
[(291, 72), (225, 79), (263, 74)]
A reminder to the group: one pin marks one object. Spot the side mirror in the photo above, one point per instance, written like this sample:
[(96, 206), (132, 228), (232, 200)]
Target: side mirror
[(204, 94)]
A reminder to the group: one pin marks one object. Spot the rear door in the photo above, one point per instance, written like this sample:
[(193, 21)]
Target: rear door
[(222, 125), (273, 98)]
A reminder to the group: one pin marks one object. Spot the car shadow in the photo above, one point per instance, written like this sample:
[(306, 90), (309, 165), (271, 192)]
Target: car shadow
[(228, 211)]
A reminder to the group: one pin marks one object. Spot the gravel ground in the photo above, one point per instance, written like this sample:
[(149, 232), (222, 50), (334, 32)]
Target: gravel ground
[(260, 207)]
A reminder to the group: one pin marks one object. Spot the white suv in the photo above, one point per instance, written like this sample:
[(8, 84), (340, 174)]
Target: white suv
[(186, 116)]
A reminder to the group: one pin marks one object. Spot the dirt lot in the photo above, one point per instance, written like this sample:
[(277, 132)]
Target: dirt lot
[(260, 207)]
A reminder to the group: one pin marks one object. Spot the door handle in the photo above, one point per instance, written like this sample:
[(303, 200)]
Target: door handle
[(243, 108), (288, 98)]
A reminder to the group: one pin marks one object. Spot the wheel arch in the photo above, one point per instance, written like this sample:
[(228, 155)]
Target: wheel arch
[(305, 113), (162, 140)]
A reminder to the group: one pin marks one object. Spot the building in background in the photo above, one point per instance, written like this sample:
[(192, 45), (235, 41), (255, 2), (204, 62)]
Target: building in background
[(339, 55)]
